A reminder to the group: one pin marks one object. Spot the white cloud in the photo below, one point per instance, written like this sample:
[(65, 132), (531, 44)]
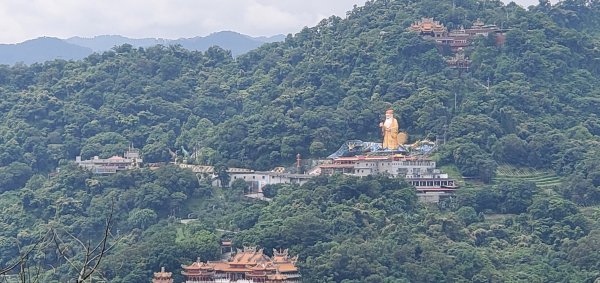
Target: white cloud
[(21, 20)]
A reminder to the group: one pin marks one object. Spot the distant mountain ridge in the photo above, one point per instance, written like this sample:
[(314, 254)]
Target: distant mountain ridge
[(41, 49), (49, 48)]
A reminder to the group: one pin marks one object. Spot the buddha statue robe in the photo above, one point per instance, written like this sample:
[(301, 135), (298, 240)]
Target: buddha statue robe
[(389, 128)]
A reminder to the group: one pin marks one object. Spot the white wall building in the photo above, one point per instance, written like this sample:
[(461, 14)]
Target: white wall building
[(421, 172), (113, 164)]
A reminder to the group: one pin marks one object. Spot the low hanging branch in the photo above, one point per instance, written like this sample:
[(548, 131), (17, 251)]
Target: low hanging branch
[(23, 261), (93, 256)]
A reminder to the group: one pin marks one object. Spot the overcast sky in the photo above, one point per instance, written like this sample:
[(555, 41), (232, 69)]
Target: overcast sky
[(26, 19)]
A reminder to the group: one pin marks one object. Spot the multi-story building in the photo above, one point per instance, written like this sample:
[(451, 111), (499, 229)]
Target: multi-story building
[(256, 179), (111, 165), (419, 171)]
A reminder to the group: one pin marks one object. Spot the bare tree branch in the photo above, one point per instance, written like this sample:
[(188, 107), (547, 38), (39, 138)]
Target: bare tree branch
[(22, 261), (92, 257), (18, 262), (57, 239), (86, 263)]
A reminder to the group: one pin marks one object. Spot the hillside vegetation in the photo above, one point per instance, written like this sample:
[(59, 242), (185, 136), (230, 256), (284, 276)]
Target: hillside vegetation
[(530, 104)]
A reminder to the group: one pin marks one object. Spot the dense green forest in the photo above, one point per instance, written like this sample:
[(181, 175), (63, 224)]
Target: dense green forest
[(531, 103)]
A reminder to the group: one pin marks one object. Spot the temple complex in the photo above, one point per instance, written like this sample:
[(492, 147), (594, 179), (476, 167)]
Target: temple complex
[(409, 161), (456, 39), (247, 265), (392, 156)]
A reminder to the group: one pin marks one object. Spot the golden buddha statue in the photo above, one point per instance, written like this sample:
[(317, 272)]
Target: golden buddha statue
[(389, 129), (392, 139)]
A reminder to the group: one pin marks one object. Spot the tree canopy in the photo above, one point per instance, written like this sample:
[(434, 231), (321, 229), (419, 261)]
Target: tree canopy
[(531, 102)]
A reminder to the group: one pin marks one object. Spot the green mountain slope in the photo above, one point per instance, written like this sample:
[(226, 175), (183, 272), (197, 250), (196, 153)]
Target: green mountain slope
[(531, 103)]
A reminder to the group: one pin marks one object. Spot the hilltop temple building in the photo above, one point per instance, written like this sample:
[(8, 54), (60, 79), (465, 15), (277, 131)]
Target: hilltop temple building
[(429, 27), (459, 38), (130, 160), (249, 265), (393, 156), (410, 161)]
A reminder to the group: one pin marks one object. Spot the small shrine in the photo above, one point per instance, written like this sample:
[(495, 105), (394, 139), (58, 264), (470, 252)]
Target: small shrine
[(162, 276), (459, 61)]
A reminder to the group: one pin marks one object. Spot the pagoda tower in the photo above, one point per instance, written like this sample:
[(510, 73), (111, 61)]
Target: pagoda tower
[(162, 276)]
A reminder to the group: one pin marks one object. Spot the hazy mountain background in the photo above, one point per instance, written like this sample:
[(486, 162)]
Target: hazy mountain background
[(520, 128), (74, 48), (41, 49)]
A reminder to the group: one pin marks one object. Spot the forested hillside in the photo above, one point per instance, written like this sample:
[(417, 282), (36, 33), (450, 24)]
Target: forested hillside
[(531, 103)]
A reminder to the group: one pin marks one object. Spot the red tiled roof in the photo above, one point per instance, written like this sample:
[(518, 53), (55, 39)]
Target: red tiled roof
[(116, 158), (277, 276), (249, 260)]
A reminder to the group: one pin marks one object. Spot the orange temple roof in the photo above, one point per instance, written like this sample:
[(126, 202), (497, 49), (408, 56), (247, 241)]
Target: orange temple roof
[(278, 277), (427, 25), (248, 260), (162, 276), (287, 267)]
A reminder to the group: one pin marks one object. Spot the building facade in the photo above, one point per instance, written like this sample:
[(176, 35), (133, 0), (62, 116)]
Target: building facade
[(256, 179), (130, 160), (249, 265), (419, 171), (456, 39)]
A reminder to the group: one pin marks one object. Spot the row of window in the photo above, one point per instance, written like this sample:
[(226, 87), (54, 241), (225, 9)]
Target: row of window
[(432, 183), (253, 177), (404, 163)]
